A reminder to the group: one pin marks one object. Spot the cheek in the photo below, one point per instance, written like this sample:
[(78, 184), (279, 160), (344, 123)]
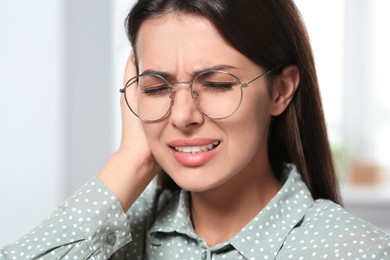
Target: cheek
[(255, 108), (248, 134), (252, 121)]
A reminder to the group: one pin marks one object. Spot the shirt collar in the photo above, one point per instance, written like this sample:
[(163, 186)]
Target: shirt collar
[(175, 217), (266, 232)]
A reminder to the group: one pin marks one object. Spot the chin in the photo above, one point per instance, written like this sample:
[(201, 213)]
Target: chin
[(195, 189), (195, 184)]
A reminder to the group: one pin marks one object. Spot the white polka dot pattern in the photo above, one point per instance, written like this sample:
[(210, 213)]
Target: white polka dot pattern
[(91, 225)]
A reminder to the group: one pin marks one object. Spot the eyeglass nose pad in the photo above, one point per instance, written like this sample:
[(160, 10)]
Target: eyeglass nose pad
[(195, 95), (172, 94)]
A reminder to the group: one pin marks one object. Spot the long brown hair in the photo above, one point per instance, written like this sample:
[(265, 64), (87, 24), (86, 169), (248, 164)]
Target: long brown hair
[(271, 33)]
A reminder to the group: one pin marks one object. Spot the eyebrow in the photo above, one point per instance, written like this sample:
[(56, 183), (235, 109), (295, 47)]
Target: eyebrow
[(166, 74)]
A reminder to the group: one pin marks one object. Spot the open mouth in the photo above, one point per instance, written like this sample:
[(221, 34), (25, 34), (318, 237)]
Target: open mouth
[(197, 149)]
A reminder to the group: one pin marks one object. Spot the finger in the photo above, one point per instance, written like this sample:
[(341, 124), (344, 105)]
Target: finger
[(130, 70), (130, 123)]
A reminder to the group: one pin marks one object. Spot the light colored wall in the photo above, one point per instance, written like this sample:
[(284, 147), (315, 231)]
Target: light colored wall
[(32, 113), (61, 66), (89, 85)]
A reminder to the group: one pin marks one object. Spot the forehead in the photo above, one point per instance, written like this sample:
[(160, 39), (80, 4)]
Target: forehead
[(182, 41), (174, 27)]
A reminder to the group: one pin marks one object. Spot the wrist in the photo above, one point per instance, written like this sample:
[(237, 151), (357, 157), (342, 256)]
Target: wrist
[(127, 175)]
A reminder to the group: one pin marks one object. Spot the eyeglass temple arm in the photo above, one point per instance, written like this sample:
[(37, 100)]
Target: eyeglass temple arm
[(244, 85)]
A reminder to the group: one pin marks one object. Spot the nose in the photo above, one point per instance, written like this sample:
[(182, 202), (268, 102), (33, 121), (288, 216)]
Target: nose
[(185, 115)]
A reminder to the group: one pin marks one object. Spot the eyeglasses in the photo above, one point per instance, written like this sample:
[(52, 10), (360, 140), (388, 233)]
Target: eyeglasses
[(217, 94)]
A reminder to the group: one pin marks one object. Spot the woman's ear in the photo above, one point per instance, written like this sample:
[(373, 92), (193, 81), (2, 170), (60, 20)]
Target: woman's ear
[(284, 89)]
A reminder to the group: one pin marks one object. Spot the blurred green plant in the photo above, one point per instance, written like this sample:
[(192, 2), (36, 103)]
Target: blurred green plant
[(341, 160)]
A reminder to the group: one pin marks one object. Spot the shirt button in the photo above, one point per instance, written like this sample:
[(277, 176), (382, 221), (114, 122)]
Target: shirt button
[(204, 255), (111, 239)]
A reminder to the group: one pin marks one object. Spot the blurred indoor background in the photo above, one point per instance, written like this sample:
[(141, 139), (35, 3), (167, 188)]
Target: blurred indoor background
[(61, 64)]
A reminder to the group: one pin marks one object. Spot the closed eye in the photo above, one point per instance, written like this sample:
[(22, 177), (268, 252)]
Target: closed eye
[(156, 91), (217, 86)]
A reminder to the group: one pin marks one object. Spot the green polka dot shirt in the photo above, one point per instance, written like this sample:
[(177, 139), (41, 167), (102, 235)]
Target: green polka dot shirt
[(92, 225)]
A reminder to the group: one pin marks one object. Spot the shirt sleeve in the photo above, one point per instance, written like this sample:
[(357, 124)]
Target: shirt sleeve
[(89, 225), (142, 215)]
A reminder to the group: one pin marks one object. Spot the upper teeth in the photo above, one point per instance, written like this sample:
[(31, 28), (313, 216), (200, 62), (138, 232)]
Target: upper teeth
[(196, 149)]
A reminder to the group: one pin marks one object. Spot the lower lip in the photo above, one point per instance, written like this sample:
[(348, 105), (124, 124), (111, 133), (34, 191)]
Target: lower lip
[(194, 159)]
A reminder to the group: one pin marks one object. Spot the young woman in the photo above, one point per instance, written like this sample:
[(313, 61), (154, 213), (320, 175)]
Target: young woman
[(220, 101)]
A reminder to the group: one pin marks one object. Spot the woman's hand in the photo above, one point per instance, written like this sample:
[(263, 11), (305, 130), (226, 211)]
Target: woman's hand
[(133, 135), (132, 167)]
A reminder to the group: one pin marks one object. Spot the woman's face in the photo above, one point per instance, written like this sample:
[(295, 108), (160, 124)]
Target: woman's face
[(237, 146)]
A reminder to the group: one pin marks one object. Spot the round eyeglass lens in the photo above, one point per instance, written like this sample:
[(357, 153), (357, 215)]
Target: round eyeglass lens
[(148, 97), (217, 93)]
